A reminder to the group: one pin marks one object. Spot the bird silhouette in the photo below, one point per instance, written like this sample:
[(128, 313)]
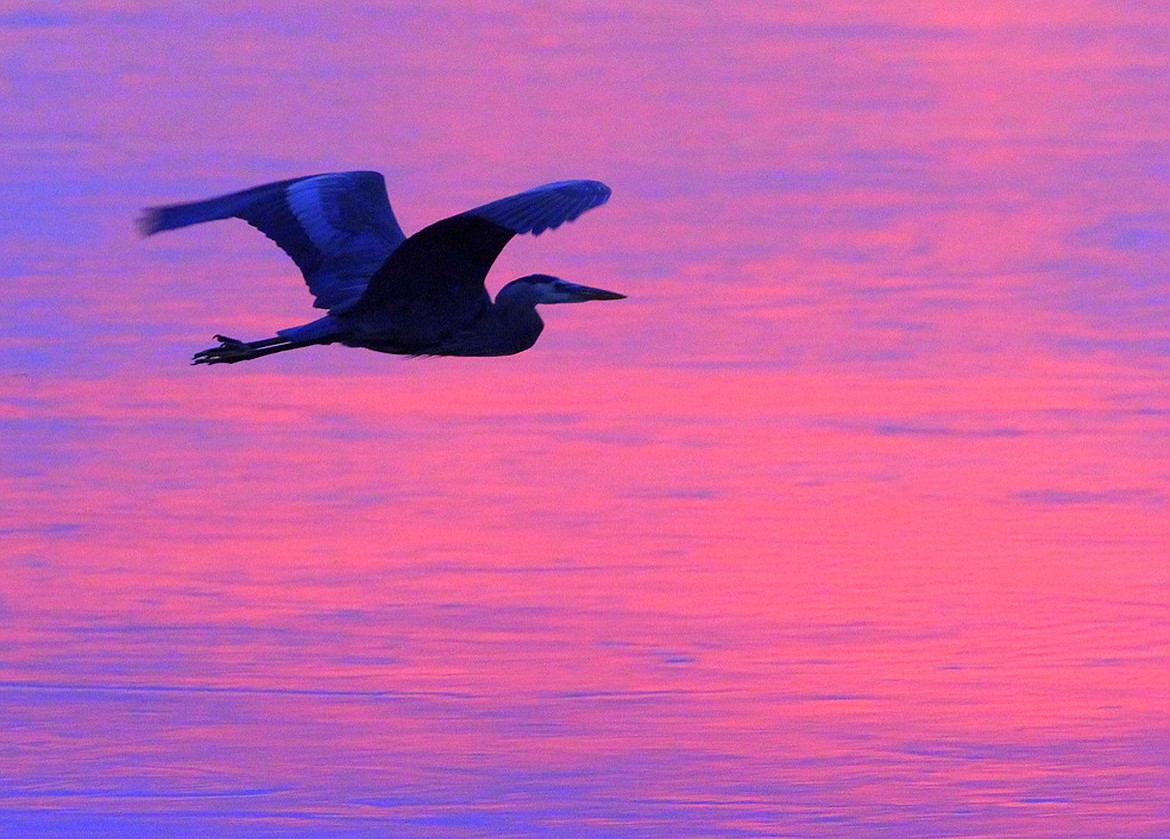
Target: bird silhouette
[(422, 295)]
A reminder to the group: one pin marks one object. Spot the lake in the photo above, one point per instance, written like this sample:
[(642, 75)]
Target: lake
[(851, 521)]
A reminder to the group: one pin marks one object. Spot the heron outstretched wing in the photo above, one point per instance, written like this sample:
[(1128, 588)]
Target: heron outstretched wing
[(434, 282), (544, 207), (338, 227)]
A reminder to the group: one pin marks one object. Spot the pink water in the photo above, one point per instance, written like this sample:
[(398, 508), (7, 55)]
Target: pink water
[(851, 520)]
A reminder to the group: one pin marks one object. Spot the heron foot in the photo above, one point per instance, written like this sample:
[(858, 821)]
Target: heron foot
[(229, 351)]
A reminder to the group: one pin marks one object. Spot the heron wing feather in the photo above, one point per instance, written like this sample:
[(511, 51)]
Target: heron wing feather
[(544, 207), (432, 286), (337, 227)]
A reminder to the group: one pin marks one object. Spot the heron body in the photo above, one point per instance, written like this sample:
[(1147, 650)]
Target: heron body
[(422, 295)]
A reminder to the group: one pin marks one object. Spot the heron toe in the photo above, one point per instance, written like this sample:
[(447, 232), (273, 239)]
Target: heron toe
[(229, 351)]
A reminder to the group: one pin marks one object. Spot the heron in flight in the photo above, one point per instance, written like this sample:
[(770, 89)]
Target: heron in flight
[(422, 295)]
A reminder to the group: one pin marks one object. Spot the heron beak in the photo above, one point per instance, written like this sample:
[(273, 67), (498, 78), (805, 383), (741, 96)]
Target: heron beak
[(584, 292)]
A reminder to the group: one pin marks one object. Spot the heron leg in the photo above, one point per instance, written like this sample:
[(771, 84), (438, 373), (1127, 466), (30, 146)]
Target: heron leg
[(231, 350), (266, 342)]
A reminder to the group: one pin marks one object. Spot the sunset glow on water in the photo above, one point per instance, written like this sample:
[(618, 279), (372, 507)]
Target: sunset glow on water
[(850, 521)]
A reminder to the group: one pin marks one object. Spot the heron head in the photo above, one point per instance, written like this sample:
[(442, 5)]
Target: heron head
[(548, 289)]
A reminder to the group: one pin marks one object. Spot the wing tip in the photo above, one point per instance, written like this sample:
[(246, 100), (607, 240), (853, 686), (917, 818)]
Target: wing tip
[(603, 190), (596, 193), (150, 221), (597, 189)]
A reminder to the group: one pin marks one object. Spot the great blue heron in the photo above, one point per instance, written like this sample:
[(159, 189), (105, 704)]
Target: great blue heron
[(422, 295)]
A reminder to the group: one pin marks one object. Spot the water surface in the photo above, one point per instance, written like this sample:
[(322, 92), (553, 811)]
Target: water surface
[(851, 520)]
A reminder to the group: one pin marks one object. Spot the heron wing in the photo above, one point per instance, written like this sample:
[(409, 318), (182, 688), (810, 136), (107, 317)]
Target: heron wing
[(434, 283), (338, 227), (544, 207)]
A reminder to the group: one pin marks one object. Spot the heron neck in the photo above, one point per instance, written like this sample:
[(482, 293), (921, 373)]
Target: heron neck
[(517, 320)]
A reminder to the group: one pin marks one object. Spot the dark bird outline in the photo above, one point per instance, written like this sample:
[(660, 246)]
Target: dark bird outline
[(422, 295)]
